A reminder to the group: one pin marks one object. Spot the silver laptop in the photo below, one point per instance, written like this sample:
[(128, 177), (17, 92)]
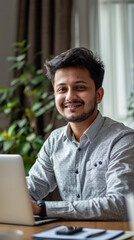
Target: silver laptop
[(15, 204)]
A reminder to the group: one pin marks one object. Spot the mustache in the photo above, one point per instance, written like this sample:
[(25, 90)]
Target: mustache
[(69, 102)]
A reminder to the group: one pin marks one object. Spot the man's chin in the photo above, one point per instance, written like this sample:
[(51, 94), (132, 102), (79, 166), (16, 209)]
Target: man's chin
[(75, 119)]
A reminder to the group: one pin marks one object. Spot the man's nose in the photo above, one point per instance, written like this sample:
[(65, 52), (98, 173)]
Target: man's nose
[(70, 94)]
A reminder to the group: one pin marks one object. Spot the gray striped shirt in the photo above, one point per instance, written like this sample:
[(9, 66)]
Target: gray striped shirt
[(93, 176)]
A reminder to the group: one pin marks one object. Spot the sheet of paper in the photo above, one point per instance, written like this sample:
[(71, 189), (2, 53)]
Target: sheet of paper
[(51, 234), (126, 235)]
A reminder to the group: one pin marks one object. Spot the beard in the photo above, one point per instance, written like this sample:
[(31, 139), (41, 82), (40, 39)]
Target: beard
[(83, 116)]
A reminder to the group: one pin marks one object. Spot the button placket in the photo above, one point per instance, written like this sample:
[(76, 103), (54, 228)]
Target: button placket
[(78, 195), (77, 172)]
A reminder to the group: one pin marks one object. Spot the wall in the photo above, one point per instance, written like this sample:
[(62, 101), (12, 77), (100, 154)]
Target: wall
[(8, 26)]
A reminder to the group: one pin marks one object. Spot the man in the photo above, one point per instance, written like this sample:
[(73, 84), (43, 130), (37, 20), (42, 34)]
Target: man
[(90, 159)]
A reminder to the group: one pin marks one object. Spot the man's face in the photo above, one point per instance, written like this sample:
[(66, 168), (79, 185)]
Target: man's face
[(75, 95)]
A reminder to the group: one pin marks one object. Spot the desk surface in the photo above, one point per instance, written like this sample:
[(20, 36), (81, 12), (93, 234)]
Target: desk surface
[(28, 230)]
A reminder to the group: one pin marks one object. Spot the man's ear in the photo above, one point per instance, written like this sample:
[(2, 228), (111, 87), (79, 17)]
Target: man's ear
[(99, 94)]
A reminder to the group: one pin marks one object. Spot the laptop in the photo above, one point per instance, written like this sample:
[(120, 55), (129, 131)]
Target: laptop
[(15, 204)]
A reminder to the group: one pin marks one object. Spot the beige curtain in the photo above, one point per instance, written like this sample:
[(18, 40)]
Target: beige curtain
[(46, 25)]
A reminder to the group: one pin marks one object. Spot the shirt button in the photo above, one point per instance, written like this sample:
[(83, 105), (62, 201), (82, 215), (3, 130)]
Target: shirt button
[(76, 172), (78, 196), (79, 149)]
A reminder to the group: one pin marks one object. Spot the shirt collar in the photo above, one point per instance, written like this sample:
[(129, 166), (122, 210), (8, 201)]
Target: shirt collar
[(90, 132), (94, 128), (68, 132)]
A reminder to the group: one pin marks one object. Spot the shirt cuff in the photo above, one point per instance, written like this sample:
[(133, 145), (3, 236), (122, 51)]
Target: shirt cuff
[(60, 209)]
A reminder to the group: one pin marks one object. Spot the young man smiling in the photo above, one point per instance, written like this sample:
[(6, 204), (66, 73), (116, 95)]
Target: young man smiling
[(90, 159), (76, 97)]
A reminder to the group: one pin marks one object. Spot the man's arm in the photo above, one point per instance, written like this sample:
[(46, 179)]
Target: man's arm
[(41, 179), (120, 182), (108, 205)]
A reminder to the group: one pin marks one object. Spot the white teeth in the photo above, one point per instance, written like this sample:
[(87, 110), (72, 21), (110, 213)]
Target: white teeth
[(71, 106)]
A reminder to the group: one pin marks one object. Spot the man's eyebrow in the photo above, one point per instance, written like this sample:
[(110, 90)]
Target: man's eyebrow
[(81, 81), (76, 82), (60, 84)]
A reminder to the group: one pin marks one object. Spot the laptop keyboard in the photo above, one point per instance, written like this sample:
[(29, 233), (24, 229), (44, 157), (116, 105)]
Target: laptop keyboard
[(38, 218)]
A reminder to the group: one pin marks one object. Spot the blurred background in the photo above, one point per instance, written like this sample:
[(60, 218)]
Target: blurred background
[(53, 26)]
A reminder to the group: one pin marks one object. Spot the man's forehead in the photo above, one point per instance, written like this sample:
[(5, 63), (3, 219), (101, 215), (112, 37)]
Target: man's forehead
[(75, 74)]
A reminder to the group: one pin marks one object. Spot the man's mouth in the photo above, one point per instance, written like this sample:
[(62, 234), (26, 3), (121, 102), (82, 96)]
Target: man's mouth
[(73, 104)]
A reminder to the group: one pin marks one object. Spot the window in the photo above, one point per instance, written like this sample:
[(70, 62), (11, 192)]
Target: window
[(106, 27), (116, 20)]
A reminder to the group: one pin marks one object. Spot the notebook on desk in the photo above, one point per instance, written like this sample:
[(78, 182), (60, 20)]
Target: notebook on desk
[(15, 204)]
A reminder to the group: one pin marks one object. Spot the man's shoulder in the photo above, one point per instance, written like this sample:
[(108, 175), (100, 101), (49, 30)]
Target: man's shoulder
[(116, 126), (59, 132)]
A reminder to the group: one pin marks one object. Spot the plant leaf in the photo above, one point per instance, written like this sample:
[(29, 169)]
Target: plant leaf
[(20, 57), (31, 137), (24, 148), (11, 129), (7, 145), (48, 128)]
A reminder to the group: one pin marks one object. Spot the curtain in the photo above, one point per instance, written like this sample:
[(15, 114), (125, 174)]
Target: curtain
[(46, 25), (85, 24), (116, 47)]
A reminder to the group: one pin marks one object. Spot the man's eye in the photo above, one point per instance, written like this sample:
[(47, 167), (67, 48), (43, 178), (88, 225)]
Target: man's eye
[(61, 89), (80, 87)]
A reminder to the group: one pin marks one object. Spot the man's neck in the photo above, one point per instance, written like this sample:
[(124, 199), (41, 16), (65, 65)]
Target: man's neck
[(79, 128)]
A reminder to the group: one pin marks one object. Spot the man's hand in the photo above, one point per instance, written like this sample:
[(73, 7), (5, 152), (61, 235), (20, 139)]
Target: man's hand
[(36, 208)]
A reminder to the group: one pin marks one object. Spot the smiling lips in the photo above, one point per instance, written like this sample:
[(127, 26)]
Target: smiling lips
[(73, 105)]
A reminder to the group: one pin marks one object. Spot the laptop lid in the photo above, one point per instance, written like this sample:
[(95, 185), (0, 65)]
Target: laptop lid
[(15, 204)]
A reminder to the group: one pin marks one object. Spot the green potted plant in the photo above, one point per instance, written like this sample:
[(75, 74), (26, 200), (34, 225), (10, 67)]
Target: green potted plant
[(22, 135)]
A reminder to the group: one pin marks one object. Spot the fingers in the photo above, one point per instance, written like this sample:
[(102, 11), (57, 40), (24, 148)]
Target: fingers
[(35, 207)]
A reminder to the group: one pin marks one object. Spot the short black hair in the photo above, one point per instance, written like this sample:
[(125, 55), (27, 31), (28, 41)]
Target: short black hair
[(78, 57)]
